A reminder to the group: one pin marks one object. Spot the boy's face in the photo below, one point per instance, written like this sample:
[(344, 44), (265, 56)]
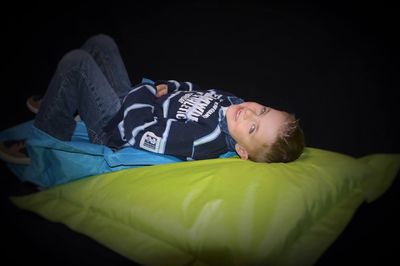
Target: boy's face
[(252, 125)]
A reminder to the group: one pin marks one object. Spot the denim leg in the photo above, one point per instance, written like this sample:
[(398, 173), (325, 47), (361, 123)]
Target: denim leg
[(105, 52), (77, 85)]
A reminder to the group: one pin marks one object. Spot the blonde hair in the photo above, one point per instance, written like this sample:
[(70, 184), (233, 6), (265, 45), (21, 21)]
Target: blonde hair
[(288, 146)]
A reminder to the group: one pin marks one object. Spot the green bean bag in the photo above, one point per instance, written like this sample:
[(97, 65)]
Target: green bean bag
[(220, 211)]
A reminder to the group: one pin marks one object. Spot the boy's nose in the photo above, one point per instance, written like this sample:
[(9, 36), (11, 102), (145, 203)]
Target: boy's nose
[(248, 114)]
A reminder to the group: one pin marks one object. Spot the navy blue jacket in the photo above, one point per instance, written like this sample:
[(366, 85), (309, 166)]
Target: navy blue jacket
[(187, 122)]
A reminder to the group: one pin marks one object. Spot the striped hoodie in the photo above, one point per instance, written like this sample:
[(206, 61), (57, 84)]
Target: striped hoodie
[(187, 122)]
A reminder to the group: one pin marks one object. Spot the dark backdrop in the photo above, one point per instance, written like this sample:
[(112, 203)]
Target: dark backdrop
[(334, 65)]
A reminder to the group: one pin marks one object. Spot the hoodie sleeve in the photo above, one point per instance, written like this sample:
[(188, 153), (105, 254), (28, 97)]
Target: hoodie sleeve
[(187, 141), (174, 85)]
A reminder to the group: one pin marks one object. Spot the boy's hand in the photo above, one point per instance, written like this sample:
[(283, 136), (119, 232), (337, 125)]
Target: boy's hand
[(162, 89)]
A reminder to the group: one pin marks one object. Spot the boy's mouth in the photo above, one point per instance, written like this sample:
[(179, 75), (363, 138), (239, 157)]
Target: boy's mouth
[(237, 114)]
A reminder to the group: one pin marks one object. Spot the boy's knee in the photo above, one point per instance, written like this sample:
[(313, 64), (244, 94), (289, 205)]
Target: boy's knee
[(74, 57), (102, 40), (101, 37)]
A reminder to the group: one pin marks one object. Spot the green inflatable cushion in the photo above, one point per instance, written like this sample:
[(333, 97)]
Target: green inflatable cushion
[(220, 211)]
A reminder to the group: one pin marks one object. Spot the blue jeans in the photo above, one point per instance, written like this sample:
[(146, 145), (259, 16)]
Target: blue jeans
[(90, 81)]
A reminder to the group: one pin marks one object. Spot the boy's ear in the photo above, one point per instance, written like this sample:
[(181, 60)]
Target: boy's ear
[(241, 151)]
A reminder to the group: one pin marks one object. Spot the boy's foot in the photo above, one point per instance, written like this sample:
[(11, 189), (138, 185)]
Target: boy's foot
[(14, 151), (33, 103)]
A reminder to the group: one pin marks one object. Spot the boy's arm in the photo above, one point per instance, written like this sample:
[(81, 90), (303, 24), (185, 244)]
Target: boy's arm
[(169, 86), (183, 140)]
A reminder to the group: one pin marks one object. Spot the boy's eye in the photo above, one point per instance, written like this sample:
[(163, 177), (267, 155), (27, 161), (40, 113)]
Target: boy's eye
[(263, 110), (252, 128)]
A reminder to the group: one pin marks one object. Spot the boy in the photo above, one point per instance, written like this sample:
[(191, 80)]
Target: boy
[(167, 117)]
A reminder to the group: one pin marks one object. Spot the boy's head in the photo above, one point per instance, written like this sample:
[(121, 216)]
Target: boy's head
[(264, 134)]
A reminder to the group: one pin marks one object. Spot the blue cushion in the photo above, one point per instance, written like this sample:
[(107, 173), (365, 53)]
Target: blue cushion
[(56, 162)]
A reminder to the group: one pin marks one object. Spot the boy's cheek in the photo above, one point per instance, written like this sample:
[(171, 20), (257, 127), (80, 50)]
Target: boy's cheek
[(237, 135)]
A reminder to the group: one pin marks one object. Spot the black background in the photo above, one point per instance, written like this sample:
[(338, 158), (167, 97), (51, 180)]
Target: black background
[(334, 65)]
